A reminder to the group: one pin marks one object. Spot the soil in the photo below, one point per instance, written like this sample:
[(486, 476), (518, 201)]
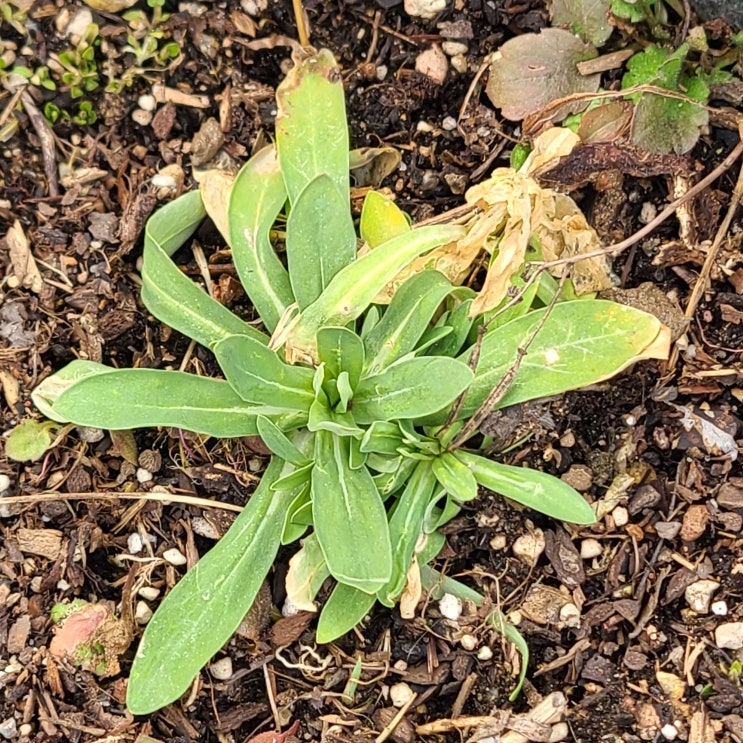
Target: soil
[(625, 619)]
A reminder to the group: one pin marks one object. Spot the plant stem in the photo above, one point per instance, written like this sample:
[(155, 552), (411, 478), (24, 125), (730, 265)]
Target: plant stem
[(304, 38)]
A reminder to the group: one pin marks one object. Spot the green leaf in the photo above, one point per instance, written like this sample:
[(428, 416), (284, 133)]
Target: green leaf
[(256, 199), (46, 393), (455, 477), (390, 482), (409, 314), (168, 293), (29, 440), (340, 349), (295, 479), (142, 398), (353, 289), (461, 323), (382, 437), (587, 18), (662, 124), (381, 220), (278, 442), (346, 607), (349, 517), (410, 389), (406, 525), (258, 375), (298, 516), (580, 343), (537, 490), (320, 238), (311, 128), (206, 606)]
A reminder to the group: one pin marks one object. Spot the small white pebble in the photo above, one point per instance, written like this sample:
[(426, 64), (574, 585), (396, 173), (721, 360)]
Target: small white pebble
[(25, 730), (90, 435), (134, 543), (590, 548), (174, 556), (648, 211), (729, 636), (142, 117), (450, 607), (621, 516), (382, 72), (452, 48), (498, 542), (720, 608), (570, 615), (459, 63), (149, 592), (424, 126), (221, 669), (8, 729), (559, 731), (468, 642), (147, 102), (699, 595), (484, 653), (449, 124), (669, 732), (4, 483), (62, 585), (143, 475), (401, 694), (528, 547), (142, 613)]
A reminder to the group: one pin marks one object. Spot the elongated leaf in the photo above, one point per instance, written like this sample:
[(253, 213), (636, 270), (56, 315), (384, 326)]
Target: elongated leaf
[(295, 520), (257, 374), (46, 393), (320, 238), (532, 488), (311, 128), (278, 442), (455, 477), (307, 572), (295, 479), (405, 320), (255, 201), (168, 293), (382, 437), (198, 616), (381, 220), (406, 525), (580, 343), (352, 290), (141, 398), (349, 517), (340, 349), (410, 389), (346, 607)]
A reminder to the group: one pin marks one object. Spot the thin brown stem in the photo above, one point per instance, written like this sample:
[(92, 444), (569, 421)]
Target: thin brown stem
[(304, 38)]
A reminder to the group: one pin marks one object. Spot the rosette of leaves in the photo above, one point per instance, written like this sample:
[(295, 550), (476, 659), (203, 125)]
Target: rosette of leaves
[(366, 424)]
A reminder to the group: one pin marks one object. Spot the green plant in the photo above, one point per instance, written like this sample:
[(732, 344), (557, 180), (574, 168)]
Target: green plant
[(77, 67), (145, 44), (368, 409)]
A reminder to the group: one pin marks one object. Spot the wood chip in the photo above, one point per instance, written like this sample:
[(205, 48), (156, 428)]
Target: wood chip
[(43, 542)]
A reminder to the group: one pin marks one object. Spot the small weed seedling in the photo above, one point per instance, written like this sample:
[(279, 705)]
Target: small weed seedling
[(365, 406)]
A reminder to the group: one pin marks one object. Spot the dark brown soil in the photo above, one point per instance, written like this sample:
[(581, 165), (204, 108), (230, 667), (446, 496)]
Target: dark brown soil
[(635, 662)]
